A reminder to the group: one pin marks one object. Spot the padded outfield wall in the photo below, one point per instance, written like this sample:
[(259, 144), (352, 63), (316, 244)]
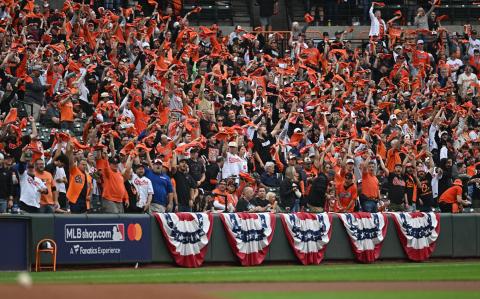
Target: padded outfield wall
[(143, 241)]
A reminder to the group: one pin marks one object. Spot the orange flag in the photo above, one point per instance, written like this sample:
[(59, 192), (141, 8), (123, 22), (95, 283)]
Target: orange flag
[(11, 116)]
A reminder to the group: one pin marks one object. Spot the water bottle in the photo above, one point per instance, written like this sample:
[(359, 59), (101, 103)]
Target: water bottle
[(329, 23), (15, 209)]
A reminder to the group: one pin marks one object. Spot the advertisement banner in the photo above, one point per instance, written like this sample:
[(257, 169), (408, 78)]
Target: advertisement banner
[(102, 240)]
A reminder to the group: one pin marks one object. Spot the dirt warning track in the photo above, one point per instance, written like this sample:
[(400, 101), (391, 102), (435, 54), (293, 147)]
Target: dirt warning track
[(208, 290)]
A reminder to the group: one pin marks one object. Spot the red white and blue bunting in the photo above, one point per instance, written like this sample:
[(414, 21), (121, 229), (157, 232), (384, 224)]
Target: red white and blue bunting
[(366, 232), (187, 236), (308, 235), (418, 233), (249, 235)]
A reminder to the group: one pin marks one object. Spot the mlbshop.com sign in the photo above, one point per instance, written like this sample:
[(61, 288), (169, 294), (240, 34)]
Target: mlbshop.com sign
[(103, 240)]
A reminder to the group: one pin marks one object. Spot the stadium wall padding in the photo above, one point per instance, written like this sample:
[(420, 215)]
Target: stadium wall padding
[(459, 238)]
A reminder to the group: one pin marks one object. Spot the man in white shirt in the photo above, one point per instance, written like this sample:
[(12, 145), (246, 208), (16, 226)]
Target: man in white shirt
[(31, 187), (60, 181), (144, 188), (454, 64), (473, 43), (378, 27), (233, 163), (465, 81)]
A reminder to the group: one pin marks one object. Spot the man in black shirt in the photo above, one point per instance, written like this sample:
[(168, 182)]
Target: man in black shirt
[(262, 142), (212, 174), (396, 190), (6, 191), (244, 204), (261, 202), (425, 194), (196, 167), (184, 183)]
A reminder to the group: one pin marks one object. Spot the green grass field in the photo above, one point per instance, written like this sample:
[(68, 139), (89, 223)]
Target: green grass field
[(440, 271)]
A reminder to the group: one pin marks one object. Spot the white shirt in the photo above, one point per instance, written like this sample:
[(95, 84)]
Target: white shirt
[(232, 166), (454, 64), (30, 190), (473, 44), (464, 82), (144, 187), (375, 24), (60, 174)]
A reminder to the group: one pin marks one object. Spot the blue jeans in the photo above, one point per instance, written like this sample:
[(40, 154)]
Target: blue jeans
[(296, 206), (3, 206), (369, 206)]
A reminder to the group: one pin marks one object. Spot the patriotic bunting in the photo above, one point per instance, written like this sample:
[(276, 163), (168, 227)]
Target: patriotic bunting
[(187, 236), (418, 233), (366, 232), (308, 235), (249, 235)]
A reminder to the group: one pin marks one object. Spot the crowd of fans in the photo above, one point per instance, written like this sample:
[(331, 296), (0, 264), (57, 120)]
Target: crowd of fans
[(176, 118)]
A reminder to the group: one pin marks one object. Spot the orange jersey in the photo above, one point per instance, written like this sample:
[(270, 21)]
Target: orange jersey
[(76, 184), (346, 197)]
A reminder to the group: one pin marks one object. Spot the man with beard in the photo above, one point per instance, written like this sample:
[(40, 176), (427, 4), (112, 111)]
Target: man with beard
[(143, 187), (31, 187), (262, 142), (425, 194), (396, 189), (260, 201), (411, 183), (162, 199), (49, 200)]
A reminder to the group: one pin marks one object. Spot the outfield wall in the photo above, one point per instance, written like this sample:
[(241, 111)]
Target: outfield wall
[(459, 238)]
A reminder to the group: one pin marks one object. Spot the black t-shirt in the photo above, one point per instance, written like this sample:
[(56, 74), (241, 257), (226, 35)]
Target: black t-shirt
[(258, 202), (211, 174), (410, 185), (425, 191), (396, 188), (243, 205), (196, 169), (262, 147), (184, 182)]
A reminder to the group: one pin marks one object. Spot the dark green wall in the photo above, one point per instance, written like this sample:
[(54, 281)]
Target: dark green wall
[(459, 238)]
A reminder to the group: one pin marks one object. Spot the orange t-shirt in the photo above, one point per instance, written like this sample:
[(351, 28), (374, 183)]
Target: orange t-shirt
[(346, 197), (450, 195), (370, 186), (113, 185), (46, 177), (66, 111)]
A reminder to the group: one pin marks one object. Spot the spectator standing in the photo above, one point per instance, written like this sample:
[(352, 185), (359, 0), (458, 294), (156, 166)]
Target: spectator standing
[(114, 194), (80, 183), (31, 187), (162, 200), (48, 200), (6, 192), (35, 91)]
